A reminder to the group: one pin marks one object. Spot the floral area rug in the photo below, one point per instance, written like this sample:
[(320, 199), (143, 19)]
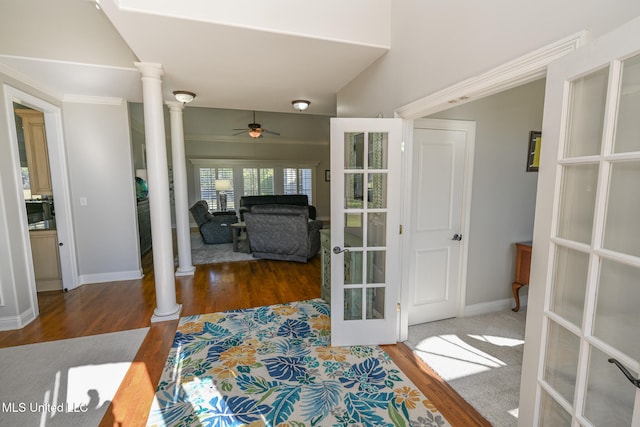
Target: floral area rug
[(273, 366)]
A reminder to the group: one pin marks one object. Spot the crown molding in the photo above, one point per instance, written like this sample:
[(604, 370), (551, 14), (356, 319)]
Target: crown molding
[(248, 140), (86, 99)]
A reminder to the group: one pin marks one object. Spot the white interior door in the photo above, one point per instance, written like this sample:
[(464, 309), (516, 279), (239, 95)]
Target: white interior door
[(365, 222), (585, 280), (436, 231)]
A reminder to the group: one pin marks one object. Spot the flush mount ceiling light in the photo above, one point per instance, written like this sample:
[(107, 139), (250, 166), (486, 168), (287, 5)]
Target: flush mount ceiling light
[(300, 104), (184, 96)]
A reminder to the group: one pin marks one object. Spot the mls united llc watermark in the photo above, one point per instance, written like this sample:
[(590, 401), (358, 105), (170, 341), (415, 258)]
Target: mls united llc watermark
[(35, 407)]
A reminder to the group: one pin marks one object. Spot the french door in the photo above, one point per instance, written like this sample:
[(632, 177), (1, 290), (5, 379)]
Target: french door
[(365, 222), (581, 346)]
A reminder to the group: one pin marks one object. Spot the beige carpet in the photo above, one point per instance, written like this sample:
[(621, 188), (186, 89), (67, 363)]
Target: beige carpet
[(67, 382), (212, 254), (480, 357)]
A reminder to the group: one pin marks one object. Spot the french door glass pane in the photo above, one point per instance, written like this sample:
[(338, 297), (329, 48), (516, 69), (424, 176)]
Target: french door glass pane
[(628, 127), (577, 202), (377, 190), (569, 284), (617, 314), (561, 363), (378, 150), (586, 115), (353, 304), (610, 396), (353, 268), (353, 190), (553, 414), (376, 266), (353, 230), (376, 229), (375, 303), (622, 229), (354, 150)]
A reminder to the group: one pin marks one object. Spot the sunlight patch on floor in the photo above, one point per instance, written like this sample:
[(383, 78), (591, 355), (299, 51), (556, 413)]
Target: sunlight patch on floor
[(94, 385), (500, 341), (452, 358)]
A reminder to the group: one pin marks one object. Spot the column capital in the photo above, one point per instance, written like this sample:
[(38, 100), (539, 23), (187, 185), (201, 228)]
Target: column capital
[(149, 69), (175, 105)]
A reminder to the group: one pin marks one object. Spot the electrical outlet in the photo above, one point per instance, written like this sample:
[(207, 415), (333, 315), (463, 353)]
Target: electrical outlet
[(83, 201)]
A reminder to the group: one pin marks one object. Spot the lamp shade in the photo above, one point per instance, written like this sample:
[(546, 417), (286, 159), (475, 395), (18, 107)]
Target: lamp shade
[(223, 184)]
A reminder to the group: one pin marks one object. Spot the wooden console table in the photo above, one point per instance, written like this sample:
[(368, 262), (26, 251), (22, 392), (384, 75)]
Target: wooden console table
[(523, 267)]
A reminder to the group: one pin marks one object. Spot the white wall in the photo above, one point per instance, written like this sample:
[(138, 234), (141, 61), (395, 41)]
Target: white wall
[(101, 170), (435, 44), (503, 200)]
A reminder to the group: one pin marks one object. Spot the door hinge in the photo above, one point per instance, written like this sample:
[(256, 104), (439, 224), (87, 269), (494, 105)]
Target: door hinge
[(398, 307), (400, 228)]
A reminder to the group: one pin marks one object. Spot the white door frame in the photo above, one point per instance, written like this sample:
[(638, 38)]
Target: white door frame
[(60, 182), (522, 70)]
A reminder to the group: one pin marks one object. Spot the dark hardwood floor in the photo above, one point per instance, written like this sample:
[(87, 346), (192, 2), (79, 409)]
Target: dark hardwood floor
[(117, 306)]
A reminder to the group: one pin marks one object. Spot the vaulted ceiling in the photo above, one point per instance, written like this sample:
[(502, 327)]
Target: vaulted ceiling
[(246, 55)]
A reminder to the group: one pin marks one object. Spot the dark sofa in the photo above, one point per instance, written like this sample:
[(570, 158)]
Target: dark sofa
[(214, 228), (246, 202), (282, 232)]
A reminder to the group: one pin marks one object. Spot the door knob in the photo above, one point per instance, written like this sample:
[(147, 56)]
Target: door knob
[(337, 250), (457, 237)]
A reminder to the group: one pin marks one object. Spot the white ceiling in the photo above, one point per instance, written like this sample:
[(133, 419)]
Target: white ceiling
[(231, 67)]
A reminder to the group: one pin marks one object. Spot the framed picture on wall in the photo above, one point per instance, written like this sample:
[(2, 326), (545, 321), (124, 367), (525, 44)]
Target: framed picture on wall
[(533, 153)]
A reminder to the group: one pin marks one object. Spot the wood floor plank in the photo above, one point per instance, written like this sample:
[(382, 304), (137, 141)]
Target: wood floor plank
[(116, 306)]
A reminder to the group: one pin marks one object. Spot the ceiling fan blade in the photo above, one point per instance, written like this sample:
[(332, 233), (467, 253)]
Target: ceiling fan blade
[(240, 129), (238, 133), (271, 132)]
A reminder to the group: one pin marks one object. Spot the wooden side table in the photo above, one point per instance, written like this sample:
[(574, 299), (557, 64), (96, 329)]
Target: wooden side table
[(523, 268)]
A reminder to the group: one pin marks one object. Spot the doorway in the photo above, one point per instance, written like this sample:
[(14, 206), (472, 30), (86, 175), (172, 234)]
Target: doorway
[(59, 190)]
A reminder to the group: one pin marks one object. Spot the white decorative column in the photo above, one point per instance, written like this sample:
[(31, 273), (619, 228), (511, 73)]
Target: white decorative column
[(185, 267), (158, 175)]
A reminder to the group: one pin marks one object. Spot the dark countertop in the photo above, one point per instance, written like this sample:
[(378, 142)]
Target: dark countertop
[(49, 224)]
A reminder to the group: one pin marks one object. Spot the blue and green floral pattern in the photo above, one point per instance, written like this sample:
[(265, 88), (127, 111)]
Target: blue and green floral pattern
[(274, 366)]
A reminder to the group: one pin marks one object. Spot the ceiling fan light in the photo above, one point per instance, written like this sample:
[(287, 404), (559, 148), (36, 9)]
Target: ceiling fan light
[(300, 104), (184, 96), (255, 133)]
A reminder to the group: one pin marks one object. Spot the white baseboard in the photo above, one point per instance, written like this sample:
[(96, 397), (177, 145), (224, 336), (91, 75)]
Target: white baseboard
[(118, 276), (9, 323), (493, 306)]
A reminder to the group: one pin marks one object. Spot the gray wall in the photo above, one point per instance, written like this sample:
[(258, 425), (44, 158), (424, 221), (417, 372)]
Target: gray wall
[(503, 200), (100, 168), (437, 44)]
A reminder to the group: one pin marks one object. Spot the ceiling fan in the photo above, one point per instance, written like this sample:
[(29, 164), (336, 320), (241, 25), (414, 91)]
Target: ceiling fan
[(255, 130)]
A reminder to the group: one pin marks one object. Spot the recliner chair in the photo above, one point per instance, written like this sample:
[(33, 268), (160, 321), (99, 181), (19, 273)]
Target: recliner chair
[(214, 228), (282, 232)]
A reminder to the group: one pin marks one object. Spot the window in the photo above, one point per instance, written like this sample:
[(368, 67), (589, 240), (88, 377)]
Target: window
[(208, 191), (298, 181), (254, 186), (252, 178)]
